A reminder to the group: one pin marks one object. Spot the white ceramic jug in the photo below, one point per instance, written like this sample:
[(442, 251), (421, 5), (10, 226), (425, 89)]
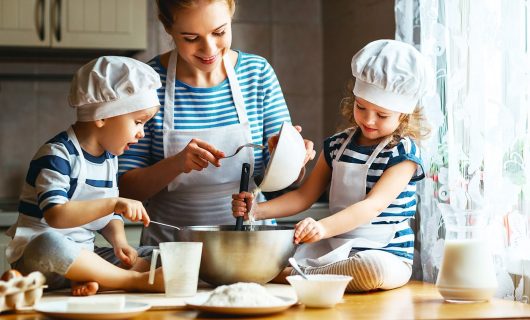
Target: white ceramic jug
[(467, 273)]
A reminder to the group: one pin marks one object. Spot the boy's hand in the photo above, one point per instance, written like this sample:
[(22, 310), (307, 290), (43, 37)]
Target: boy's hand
[(242, 204), (132, 210), (126, 254), (308, 230)]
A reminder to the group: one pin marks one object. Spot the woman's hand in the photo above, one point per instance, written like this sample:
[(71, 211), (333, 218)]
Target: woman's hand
[(242, 204), (197, 155), (309, 146), (126, 254), (308, 230), (133, 210)]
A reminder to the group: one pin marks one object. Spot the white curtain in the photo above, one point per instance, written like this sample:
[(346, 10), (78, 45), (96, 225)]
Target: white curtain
[(479, 152)]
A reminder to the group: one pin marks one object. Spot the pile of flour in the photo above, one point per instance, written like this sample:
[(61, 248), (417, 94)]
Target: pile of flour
[(242, 294)]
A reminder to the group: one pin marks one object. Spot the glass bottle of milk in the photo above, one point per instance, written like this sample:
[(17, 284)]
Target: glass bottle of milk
[(467, 273)]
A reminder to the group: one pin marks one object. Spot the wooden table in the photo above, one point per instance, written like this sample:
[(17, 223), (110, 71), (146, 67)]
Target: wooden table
[(417, 300)]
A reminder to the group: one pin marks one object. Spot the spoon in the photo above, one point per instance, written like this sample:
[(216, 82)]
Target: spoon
[(258, 146), (166, 225), (297, 268)]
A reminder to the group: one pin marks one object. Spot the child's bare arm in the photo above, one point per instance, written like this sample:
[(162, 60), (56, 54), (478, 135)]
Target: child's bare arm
[(77, 213), (300, 199), (114, 233), (289, 203), (385, 191)]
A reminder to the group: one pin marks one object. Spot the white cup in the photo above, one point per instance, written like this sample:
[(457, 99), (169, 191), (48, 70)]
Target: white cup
[(181, 262)]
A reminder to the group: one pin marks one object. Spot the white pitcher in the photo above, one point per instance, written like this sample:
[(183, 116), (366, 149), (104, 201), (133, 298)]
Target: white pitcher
[(467, 273)]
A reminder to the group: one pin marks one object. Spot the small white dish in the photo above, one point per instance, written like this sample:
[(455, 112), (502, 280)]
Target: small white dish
[(59, 309), (320, 290), (198, 301), (286, 161)]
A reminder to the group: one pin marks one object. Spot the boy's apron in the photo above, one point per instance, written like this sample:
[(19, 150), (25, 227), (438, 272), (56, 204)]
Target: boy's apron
[(348, 186), (200, 197), (28, 227)]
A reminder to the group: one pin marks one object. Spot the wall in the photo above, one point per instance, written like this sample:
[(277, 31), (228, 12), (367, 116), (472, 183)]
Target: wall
[(289, 35), (348, 26)]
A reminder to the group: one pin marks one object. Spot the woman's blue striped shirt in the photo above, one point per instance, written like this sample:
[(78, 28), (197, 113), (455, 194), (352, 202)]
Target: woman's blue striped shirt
[(205, 108)]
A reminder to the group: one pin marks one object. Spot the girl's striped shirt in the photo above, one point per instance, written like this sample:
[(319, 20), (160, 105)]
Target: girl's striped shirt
[(205, 108), (404, 206)]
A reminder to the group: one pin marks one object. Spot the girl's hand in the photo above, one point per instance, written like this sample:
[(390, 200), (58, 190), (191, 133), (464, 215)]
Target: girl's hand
[(133, 210), (126, 254), (309, 146), (308, 230), (197, 155), (242, 204)]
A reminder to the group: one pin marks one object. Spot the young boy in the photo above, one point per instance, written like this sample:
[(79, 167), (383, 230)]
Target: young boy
[(71, 186)]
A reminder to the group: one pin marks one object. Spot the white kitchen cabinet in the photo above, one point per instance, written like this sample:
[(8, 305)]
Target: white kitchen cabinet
[(74, 24)]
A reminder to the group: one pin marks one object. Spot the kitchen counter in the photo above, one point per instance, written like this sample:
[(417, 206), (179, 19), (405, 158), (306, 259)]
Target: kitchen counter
[(416, 300)]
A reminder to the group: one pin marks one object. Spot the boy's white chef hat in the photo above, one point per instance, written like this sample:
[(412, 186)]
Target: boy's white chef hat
[(110, 86), (391, 74)]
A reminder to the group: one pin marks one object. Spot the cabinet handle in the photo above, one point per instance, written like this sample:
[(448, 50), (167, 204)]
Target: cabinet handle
[(40, 19), (57, 19)]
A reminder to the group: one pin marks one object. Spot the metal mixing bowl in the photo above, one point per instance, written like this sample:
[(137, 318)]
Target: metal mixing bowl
[(230, 256)]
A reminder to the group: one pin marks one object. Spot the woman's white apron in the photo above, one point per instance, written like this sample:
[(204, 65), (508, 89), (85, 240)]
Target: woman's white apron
[(348, 186), (200, 197), (28, 227)]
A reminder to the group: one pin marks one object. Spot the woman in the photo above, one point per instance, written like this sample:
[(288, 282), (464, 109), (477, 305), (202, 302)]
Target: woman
[(213, 100)]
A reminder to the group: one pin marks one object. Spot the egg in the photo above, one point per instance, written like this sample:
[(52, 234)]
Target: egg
[(10, 274)]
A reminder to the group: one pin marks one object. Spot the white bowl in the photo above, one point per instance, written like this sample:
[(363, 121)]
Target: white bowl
[(321, 290), (286, 161)]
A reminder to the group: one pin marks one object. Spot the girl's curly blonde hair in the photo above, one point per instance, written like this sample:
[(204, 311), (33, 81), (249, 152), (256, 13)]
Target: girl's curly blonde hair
[(412, 125)]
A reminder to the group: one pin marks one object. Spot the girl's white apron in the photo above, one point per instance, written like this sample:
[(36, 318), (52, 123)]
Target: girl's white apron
[(348, 186), (200, 197), (28, 227)]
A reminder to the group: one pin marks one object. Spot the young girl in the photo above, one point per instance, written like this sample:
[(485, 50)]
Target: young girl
[(372, 167), (71, 186)]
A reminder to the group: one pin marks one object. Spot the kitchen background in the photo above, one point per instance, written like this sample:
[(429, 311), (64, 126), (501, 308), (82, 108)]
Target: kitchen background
[(480, 147), (309, 43)]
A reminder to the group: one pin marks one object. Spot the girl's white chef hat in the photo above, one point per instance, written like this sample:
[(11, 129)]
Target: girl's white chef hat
[(391, 74), (110, 86)]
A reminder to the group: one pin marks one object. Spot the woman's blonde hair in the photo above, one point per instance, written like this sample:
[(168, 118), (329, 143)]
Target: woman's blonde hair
[(412, 125), (167, 8)]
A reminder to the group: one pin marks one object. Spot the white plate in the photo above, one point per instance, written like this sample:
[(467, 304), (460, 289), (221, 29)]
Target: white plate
[(198, 301), (59, 309)]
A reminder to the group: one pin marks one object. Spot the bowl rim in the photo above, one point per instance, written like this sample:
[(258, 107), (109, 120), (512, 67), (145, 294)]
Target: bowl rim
[(231, 228), (320, 278)]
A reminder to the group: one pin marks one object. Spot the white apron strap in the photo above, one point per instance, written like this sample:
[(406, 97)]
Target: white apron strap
[(343, 147), (169, 98), (378, 150), (236, 89), (81, 179)]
